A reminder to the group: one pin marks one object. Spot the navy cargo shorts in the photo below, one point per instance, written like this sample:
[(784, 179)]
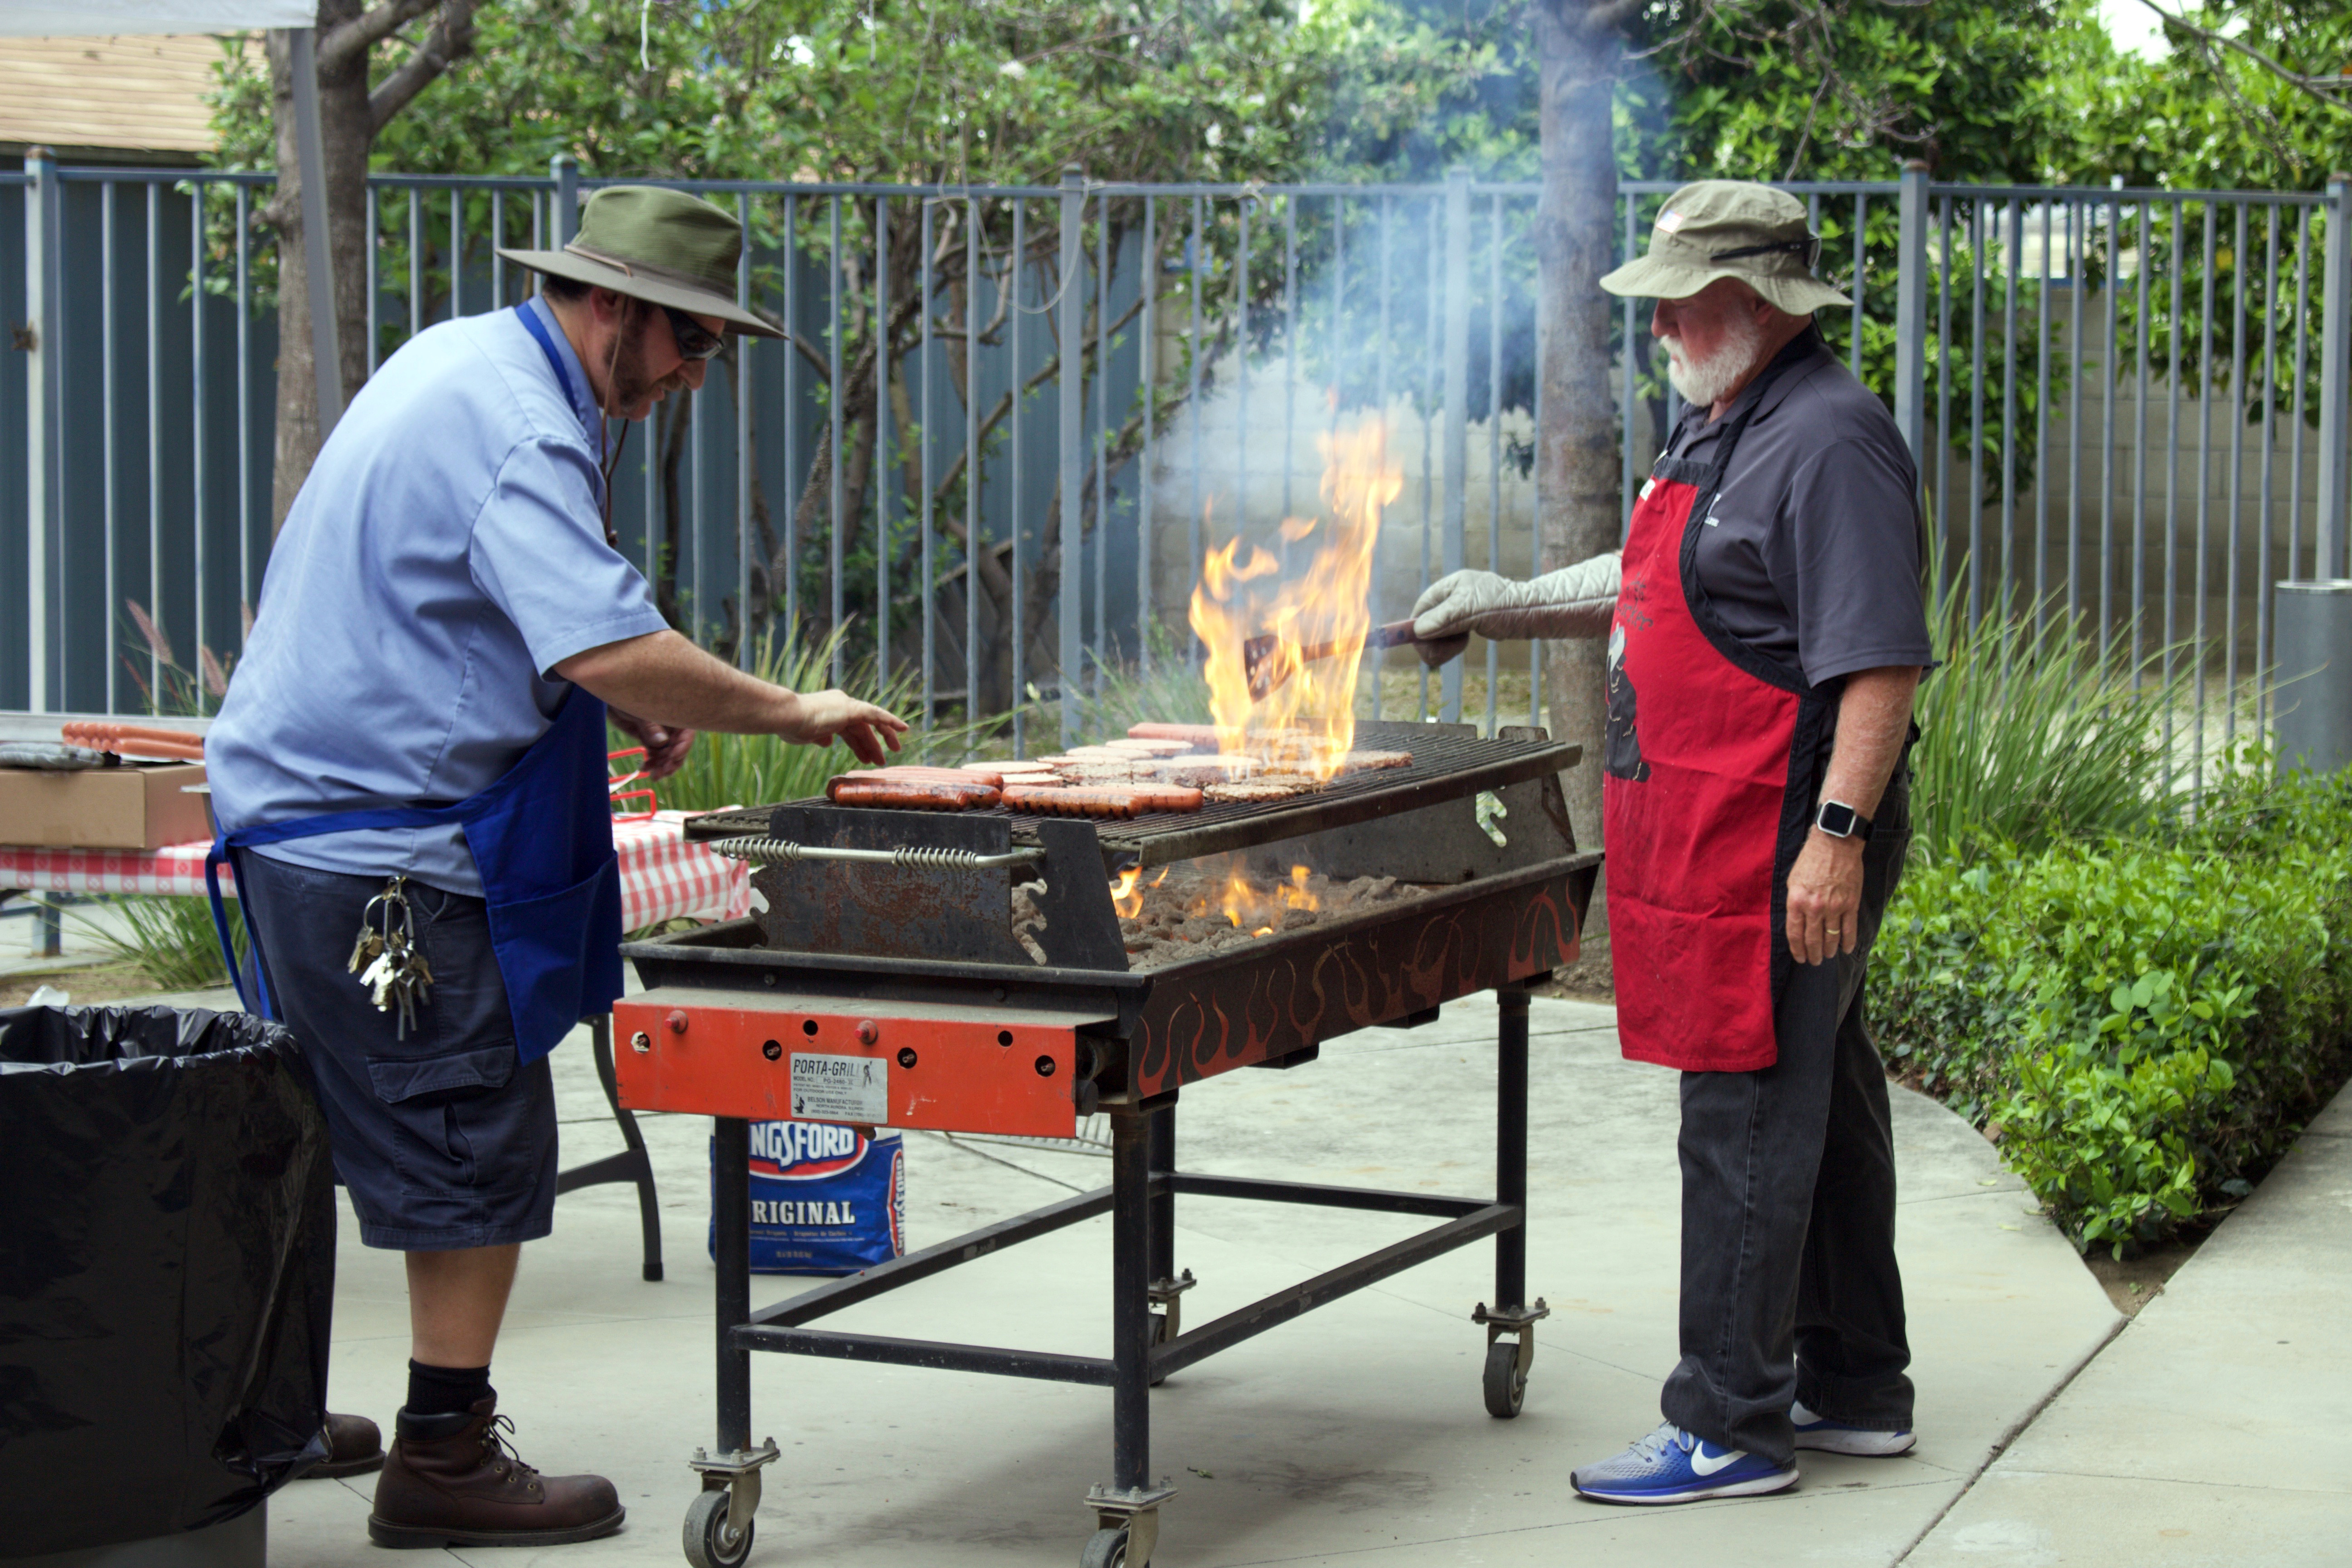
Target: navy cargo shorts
[(445, 1140)]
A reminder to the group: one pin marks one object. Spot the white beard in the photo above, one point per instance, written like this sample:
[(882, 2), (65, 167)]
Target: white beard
[(1707, 382)]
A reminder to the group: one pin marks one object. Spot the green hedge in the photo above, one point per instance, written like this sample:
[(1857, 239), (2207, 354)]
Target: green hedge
[(2143, 1023)]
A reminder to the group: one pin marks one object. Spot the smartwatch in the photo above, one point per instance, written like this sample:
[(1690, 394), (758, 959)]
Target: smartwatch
[(1839, 820)]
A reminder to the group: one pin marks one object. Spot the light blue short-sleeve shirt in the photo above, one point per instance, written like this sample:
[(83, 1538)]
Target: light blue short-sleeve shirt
[(446, 553)]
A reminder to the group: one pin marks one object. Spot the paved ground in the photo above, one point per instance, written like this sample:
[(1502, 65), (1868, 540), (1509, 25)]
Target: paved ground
[(2214, 1430), (1354, 1435)]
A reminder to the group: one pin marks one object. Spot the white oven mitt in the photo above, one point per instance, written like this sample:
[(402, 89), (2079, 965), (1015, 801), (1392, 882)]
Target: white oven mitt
[(1574, 602)]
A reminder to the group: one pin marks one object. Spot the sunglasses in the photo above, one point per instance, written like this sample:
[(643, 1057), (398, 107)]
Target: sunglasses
[(694, 341)]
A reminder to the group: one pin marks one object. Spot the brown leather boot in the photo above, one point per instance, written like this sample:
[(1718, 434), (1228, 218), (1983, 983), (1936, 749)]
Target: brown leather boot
[(354, 1447), (451, 1480)]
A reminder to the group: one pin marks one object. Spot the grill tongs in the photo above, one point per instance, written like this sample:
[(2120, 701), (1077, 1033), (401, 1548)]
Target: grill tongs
[(1268, 660)]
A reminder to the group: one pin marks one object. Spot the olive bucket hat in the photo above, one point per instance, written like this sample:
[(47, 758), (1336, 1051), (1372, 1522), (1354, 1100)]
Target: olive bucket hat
[(662, 246), (1729, 229)]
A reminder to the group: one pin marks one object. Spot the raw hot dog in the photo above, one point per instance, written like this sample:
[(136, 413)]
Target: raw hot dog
[(907, 794), (135, 740)]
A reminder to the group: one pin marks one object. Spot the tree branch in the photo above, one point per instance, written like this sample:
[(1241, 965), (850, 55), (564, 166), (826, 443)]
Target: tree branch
[(344, 46), (451, 40), (2309, 85)]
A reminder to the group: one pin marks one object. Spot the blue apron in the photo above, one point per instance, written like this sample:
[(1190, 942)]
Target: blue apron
[(541, 838)]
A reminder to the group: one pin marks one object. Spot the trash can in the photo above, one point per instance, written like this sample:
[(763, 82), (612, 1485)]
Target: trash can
[(167, 1257), (2312, 652)]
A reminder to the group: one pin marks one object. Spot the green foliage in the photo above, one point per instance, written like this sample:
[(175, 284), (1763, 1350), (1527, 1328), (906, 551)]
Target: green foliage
[(2145, 1020), (1780, 90), (2206, 117), (763, 770), (2030, 735), (171, 940)]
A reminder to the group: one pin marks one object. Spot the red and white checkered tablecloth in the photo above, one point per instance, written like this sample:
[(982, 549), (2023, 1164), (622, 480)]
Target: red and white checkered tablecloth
[(662, 876)]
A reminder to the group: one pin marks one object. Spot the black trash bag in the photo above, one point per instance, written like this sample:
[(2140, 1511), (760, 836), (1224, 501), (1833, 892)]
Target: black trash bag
[(167, 1271)]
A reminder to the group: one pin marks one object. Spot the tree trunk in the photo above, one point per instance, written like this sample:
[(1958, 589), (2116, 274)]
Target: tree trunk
[(1577, 472), (346, 134)]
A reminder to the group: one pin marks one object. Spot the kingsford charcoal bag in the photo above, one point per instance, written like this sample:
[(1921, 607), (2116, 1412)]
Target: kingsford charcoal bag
[(824, 1200)]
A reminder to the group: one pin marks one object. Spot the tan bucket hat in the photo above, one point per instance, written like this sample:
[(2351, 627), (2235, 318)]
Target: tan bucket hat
[(662, 246), (1730, 228)]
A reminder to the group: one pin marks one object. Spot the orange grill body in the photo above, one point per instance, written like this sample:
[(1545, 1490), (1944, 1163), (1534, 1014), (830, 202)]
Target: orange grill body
[(947, 1069)]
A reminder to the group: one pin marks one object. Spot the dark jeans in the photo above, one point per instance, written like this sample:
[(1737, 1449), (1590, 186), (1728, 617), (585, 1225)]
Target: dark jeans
[(1789, 1289), (444, 1139)]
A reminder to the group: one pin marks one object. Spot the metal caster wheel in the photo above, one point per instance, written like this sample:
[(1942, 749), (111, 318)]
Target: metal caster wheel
[(1106, 1549), (709, 1541), (1505, 1385)]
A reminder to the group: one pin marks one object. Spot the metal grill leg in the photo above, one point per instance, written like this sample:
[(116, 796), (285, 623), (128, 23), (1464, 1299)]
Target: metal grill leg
[(1131, 1310), (1167, 1292), (1511, 1144), (1127, 1512), (731, 1212), (1508, 1361), (1163, 1141)]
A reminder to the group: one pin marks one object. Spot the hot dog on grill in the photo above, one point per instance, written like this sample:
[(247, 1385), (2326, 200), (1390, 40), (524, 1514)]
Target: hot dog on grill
[(1164, 796), (1074, 800), (1198, 734), (909, 795), (919, 771)]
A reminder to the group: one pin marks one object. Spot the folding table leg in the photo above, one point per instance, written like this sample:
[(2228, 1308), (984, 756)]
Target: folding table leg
[(631, 1165)]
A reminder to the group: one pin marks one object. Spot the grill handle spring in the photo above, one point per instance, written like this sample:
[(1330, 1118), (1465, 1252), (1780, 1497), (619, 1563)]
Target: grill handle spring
[(765, 851)]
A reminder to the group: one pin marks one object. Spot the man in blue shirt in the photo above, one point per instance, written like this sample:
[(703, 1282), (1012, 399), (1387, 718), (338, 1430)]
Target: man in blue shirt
[(444, 628)]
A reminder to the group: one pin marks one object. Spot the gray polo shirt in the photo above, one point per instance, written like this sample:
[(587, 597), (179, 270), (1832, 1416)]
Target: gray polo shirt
[(1811, 553)]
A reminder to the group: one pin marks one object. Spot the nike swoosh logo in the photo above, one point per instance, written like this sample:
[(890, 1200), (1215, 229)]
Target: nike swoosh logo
[(1703, 1464)]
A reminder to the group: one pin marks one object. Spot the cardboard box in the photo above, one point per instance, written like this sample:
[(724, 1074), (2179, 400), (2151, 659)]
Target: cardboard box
[(139, 805)]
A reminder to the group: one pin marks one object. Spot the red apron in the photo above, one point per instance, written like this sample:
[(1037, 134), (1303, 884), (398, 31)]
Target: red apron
[(1706, 795)]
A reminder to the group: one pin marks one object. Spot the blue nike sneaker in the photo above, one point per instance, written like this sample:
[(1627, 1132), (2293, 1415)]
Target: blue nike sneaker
[(1672, 1465), (1837, 1438)]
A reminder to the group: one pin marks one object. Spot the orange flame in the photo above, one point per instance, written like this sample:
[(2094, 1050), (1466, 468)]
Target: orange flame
[(1309, 717), (1125, 896), (1246, 904)]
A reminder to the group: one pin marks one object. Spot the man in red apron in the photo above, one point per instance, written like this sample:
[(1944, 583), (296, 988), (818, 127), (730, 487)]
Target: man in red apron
[(412, 756), (1766, 630)]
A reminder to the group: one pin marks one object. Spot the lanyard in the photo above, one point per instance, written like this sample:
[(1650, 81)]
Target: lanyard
[(538, 330)]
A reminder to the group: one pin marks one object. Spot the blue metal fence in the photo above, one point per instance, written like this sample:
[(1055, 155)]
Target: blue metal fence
[(2129, 405)]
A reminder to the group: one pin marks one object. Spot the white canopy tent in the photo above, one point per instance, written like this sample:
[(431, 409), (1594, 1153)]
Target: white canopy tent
[(117, 19)]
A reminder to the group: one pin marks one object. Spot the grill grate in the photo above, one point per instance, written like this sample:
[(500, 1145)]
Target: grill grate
[(1448, 761)]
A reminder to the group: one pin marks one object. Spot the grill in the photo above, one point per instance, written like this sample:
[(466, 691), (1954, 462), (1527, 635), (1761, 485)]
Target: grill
[(1449, 762), (882, 984)]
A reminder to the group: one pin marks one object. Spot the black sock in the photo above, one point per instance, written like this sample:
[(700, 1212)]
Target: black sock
[(445, 1390)]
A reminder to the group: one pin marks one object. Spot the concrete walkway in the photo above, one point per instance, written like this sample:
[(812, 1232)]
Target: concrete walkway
[(2218, 1427), (1354, 1435)]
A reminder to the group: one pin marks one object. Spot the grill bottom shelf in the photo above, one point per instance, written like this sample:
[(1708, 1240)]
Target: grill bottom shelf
[(1148, 1340)]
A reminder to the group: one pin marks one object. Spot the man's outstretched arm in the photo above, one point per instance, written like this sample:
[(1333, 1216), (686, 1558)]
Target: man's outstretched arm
[(662, 679)]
